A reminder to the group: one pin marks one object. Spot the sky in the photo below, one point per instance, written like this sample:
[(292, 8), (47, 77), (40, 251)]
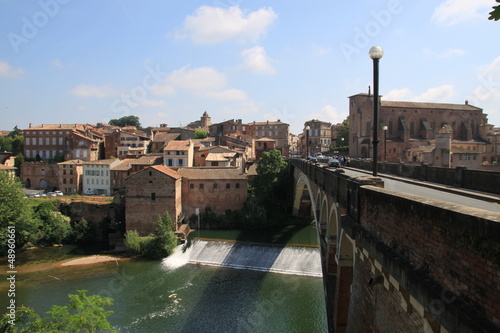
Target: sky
[(165, 61)]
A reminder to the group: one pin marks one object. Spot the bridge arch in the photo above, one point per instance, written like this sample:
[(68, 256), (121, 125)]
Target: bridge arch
[(304, 201)]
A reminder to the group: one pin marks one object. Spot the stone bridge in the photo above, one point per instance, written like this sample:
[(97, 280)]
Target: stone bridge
[(395, 262)]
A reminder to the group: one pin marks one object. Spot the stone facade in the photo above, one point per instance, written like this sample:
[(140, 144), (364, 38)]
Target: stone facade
[(320, 136), (217, 188), (39, 175), (149, 193)]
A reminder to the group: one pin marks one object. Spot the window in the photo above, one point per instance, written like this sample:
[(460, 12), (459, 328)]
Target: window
[(215, 185), (237, 185), (201, 186), (43, 172), (228, 185), (153, 196), (191, 186)]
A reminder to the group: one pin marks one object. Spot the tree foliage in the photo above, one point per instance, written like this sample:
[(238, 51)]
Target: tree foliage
[(126, 121), (84, 313), (200, 134), (269, 167), (495, 13), (343, 133)]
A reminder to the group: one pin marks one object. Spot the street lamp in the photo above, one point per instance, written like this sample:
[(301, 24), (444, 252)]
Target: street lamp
[(307, 141), (385, 143), (376, 53)]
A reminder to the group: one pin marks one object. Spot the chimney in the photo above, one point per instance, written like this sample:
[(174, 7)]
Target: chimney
[(31, 125), (466, 102), (268, 122)]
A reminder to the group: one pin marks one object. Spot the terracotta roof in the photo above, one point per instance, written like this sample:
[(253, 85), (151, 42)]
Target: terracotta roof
[(54, 127), (219, 157), (6, 167), (73, 162), (167, 171), (164, 137), (178, 145), (224, 148), (425, 105), (4, 133), (211, 173), (460, 150), (103, 162), (147, 160)]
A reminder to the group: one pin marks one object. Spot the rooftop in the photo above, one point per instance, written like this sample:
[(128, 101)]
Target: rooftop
[(181, 145), (211, 173)]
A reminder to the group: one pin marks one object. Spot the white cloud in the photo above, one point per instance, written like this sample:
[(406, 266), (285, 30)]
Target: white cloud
[(210, 25), (85, 90), (256, 60), (7, 70), (151, 102), (330, 114), (487, 91), (397, 95), (451, 12), (441, 94), (228, 94), (202, 81)]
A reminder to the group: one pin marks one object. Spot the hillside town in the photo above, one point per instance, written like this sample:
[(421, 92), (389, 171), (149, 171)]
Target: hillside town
[(206, 164)]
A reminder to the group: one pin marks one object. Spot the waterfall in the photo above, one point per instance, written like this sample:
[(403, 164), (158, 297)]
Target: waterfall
[(295, 260)]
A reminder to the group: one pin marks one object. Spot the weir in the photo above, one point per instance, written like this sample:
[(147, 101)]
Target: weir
[(294, 260)]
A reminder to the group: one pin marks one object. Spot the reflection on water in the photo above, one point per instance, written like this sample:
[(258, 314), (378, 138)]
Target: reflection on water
[(152, 296)]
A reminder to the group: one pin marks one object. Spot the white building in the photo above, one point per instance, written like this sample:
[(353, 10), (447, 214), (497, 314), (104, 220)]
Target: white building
[(179, 153), (97, 176)]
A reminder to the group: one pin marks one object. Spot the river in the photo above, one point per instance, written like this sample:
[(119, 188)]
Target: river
[(207, 287)]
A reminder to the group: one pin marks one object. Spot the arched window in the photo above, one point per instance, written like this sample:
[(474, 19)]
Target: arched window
[(391, 125)]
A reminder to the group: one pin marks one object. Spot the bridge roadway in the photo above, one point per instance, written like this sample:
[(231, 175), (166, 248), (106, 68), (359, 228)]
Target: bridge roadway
[(434, 191)]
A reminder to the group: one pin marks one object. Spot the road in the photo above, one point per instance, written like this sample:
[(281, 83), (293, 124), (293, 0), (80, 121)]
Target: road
[(393, 184)]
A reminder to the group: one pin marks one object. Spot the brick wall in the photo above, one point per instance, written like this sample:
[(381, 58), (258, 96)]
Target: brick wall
[(456, 246)]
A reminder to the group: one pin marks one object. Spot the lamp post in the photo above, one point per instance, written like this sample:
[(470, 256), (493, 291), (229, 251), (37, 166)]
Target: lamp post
[(376, 53), (385, 143), (307, 141)]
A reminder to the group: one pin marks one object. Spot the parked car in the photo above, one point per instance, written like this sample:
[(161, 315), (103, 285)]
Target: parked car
[(36, 195), (333, 163), (313, 159), (58, 193), (51, 194), (88, 192)]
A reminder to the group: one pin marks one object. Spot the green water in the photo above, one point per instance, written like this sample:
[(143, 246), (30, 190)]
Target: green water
[(151, 297)]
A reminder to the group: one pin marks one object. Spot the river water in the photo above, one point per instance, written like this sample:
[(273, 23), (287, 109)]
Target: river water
[(210, 286)]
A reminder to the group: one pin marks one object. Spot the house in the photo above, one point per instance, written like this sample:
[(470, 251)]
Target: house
[(179, 153), (214, 187), (275, 130), (39, 175), (218, 156), (70, 176), (97, 176), (10, 170), (62, 142), (262, 145), (126, 142), (150, 192)]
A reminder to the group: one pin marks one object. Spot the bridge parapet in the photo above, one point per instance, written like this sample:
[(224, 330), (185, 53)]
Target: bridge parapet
[(416, 264)]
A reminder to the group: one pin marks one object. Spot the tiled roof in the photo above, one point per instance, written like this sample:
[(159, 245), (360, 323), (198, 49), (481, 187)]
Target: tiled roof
[(123, 166), (219, 157), (147, 160), (73, 162), (223, 148), (177, 145), (425, 105), (103, 162), (211, 173), (164, 137), (54, 127), (167, 171), (6, 167)]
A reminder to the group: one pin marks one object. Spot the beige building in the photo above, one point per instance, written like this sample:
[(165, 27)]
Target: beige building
[(70, 176), (150, 192), (179, 153), (62, 142), (275, 130), (319, 135), (126, 143)]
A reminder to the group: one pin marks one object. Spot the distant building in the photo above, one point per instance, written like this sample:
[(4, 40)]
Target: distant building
[(262, 145), (218, 156), (204, 122), (179, 153), (62, 141), (320, 136), (97, 176), (217, 188), (126, 143), (275, 130), (413, 125), (151, 192), (39, 175), (70, 176), (10, 170)]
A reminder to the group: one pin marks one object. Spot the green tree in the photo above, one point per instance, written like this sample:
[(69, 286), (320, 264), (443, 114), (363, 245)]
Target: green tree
[(18, 160), (132, 242), (269, 167), (83, 314), (14, 211), (56, 227), (343, 133), (200, 134), (495, 14), (164, 240), (126, 121)]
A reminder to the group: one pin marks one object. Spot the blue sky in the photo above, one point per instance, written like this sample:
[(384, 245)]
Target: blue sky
[(68, 61)]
